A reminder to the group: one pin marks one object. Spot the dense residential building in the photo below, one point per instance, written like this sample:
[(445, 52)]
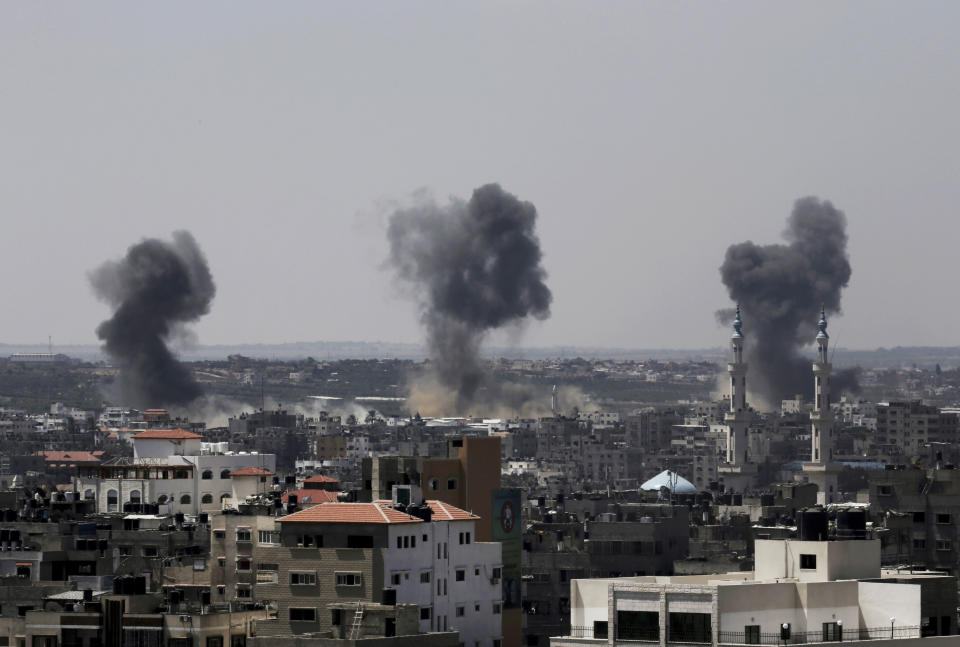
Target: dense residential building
[(383, 551), (801, 591), (169, 468)]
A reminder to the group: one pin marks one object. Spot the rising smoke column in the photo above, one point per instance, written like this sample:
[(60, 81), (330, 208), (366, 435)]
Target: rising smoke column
[(780, 289), (155, 289), (475, 266)]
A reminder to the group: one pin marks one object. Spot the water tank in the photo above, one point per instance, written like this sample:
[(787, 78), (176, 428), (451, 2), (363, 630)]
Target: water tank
[(140, 585), (203, 518), (290, 480), (812, 524), (293, 499), (737, 499), (852, 523)]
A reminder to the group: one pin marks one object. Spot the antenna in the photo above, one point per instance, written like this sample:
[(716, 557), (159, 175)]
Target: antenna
[(50, 344)]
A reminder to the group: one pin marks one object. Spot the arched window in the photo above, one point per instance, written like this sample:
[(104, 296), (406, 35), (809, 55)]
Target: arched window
[(225, 474), (224, 496), (434, 484), (207, 475), (112, 501), (185, 499), (162, 499), (134, 496), (88, 495), (206, 498)]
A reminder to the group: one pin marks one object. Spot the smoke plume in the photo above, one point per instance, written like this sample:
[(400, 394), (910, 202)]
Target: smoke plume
[(475, 267), (155, 290), (780, 289)]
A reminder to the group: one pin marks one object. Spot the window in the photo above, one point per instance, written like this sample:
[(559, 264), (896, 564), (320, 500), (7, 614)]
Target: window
[(219, 534), (944, 544), (135, 496), (919, 517), (476, 572), (214, 641), (305, 541), (943, 518), (496, 608), (149, 551), (461, 537), (635, 625), (267, 573), (359, 541), (690, 627), (600, 629), (225, 474), (460, 612), (111, 500), (425, 577), (244, 534), (807, 561), (425, 613), (243, 591), (497, 642), (451, 484), (126, 551), (919, 544), (268, 537), (497, 574), (185, 499), (206, 498), (207, 475), (304, 578), (468, 537), (348, 579), (162, 499), (461, 575), (434, 484), (243, 564), (751, 634), (303, 615), (884, 490), (395, 579)]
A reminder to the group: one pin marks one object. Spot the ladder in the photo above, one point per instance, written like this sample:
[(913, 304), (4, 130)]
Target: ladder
[(357, 621)]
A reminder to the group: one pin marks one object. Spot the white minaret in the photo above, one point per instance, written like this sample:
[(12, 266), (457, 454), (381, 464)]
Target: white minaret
[(822, 417), (738, 417)]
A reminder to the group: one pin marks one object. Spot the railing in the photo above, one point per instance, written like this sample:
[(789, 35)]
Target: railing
[(804, 637), (698, 638), (587, 632)]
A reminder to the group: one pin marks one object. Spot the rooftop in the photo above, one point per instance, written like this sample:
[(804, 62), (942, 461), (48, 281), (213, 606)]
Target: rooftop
[(377, 512), (320, 478), (167, 434)]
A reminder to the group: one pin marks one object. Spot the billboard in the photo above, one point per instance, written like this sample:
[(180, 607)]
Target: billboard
[(508, 530)]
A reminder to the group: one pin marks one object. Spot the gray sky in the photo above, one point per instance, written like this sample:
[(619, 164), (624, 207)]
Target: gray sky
[(649, 136)]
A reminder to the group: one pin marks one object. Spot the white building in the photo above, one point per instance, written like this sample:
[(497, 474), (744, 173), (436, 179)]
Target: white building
[(801, 592), (170, 468), (430, 559)]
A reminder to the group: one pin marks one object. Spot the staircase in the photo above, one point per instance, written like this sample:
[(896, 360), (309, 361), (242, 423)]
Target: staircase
[(357, 622)]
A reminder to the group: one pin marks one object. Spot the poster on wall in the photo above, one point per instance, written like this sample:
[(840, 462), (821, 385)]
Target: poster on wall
[(508, 530)]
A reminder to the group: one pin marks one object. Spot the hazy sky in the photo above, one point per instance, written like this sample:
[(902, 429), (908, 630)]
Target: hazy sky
[(649, 136)]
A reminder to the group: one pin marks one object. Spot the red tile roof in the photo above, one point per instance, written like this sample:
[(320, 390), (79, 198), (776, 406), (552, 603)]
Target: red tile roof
[(167, 434), (350, 513), (70, 457), (251, 471), (442, 511), (320, 478), (312, 497), (446, 512)]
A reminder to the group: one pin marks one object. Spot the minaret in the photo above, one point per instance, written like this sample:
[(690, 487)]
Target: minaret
[(821, 419), (738, 417)]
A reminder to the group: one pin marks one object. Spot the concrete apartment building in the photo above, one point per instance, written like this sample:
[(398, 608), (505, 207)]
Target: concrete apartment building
[(627, 539), (170, 468), (800, 592), (911, 425), (930, 498), (334, 553)]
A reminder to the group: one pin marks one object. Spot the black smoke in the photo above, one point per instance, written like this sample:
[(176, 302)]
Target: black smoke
[(155, 290), (475, 266), (780, 289)]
